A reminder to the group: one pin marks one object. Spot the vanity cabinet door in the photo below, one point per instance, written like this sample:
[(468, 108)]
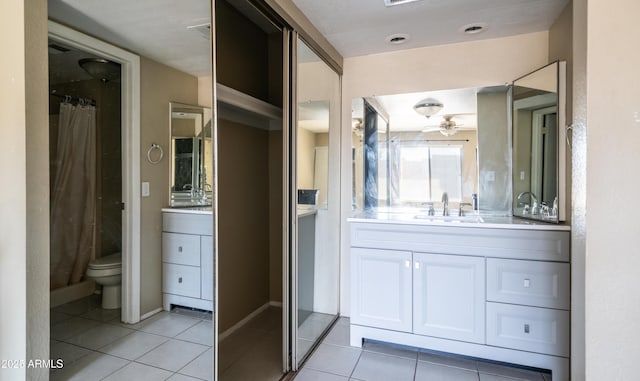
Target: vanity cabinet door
[(448, 297), (206, 266), (381, 288)]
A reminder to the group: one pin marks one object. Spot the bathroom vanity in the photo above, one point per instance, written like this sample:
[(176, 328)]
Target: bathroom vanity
[(187, 257), (492, 288)]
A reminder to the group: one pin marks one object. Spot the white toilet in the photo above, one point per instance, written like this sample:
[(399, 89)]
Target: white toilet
[(107, 271)]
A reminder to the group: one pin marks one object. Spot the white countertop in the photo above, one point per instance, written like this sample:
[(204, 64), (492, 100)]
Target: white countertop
[(470, 221), (190, 210), (304, 211)]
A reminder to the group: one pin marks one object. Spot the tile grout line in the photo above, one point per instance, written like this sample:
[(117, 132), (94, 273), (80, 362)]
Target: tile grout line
[(356, 364)]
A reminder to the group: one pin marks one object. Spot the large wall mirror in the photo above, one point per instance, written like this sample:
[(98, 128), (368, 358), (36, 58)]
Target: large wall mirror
[(191, 162), (538, 144), (317, 164), (409, 150)]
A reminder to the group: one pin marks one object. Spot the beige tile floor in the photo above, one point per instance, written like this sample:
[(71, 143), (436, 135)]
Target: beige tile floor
[(176, 346), (95, 345), (335, 360)]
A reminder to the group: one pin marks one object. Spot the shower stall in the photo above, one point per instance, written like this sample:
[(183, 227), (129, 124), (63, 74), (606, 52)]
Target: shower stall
[(85, 167)]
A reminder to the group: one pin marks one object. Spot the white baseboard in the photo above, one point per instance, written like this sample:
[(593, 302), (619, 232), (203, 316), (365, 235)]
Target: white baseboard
[(150, 313), (246, 319)]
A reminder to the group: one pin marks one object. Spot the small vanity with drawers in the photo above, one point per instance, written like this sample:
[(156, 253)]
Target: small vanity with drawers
[(187, 257), (492, 288)]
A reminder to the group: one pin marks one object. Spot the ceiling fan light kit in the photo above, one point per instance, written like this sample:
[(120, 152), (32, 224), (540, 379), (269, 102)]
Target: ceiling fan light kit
[(428, 107)]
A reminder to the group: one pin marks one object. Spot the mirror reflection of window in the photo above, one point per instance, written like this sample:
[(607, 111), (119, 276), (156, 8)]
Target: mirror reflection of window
[(426, 172)]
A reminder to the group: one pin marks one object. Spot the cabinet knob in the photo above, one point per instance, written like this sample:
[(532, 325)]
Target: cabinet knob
[(417, 265), (180, 280), (179, 249), (407, 264), (527, 283), (526, 328)]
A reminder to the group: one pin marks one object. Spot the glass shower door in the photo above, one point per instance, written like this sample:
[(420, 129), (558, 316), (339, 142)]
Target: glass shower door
[(317, 162)]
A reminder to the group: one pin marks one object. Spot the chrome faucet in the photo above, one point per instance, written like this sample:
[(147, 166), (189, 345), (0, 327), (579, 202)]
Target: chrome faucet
[(431, 211), (462, 205), (534, 201), (445, 204)]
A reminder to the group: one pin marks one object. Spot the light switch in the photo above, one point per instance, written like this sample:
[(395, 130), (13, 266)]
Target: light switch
[(521, 175), (527, 283), (491, 176), (145, 189)]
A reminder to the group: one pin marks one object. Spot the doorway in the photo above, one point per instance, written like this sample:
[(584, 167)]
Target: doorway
[(126, 234)]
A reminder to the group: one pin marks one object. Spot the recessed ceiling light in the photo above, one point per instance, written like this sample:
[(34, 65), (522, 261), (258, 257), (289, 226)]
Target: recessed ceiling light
[(397, 38), (474, 28)]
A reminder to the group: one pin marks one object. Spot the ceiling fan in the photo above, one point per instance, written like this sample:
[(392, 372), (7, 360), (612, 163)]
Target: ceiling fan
[(447, 127)]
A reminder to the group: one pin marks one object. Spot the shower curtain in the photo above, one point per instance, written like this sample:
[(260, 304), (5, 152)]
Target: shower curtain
[(73, 195)]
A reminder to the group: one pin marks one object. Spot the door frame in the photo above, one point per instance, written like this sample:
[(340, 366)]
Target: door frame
[(130, 114)]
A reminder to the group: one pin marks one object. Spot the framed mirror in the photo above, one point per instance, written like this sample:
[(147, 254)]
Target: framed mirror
[(191, 162), (538, 106)]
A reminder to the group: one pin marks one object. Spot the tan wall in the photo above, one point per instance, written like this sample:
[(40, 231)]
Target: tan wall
[(24, 211), (612, 159), (306, 157), (275, 216), (183, 127), (242, 59), (159, 85), (243, 240), (322, 139)]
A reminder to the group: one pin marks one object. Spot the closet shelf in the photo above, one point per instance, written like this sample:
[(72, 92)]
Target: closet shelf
[(231, 102)]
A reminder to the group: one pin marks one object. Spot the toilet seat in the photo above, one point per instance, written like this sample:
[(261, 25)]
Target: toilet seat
[(111, 261), (105, 266)]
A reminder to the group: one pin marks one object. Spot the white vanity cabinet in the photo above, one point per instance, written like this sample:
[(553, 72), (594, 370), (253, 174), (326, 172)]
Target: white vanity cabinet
[(427, 294), (187, 259), (501, 293)]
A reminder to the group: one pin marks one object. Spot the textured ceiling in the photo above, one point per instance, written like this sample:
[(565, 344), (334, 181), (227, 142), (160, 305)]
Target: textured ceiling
[(359, 27), (158, 28)]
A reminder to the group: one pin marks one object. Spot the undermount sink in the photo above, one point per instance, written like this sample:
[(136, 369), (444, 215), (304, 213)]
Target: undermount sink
[(471, 219)]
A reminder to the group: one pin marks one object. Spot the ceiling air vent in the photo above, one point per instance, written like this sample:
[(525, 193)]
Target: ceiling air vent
[(390, 3), (204, 30)]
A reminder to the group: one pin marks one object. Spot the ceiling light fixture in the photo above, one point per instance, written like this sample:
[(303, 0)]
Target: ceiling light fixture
[(474, 28), (397, 38), (101, 69), (428, 107)]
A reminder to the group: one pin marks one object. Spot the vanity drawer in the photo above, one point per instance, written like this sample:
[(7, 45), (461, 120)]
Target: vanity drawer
[(531, 283), (531, 329), (183, 249), (181, 280)]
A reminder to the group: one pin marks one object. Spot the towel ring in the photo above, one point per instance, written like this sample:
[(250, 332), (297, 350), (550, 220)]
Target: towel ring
[(155, 147)]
